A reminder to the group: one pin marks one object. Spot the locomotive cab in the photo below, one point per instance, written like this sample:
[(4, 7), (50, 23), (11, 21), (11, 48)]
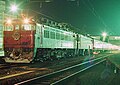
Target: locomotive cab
[(19, 41)]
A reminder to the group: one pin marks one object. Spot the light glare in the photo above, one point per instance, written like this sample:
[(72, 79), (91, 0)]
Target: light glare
[(14, 8), (9, 21), (26, 20), (104, 34)]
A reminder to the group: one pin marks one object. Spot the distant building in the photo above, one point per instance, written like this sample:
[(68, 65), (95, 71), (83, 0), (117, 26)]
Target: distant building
[(112, 39)]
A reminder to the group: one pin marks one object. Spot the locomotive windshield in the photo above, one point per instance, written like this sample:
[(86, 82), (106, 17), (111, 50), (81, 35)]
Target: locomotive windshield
[(9, 27), (17, 27), (28, 27), (12, 27), (16, 24)]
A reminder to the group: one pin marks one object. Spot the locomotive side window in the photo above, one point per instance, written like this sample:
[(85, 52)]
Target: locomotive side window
[(58, 36), (46, 33), (52, 35)]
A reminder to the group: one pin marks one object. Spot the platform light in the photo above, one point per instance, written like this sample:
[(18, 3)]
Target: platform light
[(104, 34)]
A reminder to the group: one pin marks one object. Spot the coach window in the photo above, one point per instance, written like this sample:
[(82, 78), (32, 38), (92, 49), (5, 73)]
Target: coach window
[(66, 37), (62, 37), (58, 36), (69, 38)]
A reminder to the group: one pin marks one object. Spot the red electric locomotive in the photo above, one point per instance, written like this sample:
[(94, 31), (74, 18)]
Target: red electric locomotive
[(19, 40)]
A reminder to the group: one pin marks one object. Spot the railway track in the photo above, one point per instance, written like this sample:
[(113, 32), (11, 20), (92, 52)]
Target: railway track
[(56, 77), (6, 66)]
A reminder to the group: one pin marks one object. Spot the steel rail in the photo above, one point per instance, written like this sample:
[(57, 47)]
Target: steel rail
[(56, 82), (39, 77)]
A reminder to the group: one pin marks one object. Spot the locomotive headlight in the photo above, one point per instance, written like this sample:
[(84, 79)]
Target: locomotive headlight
[(9, 21), (26, 21)]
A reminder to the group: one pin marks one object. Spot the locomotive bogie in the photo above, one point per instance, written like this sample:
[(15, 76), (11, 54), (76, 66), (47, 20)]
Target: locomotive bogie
[(18, 55), (45, 54)]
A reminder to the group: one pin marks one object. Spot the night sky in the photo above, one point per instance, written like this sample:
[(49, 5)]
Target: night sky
[(88, 16)]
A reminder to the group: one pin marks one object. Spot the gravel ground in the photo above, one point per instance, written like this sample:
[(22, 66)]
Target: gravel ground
[(57, 64), (98, 75)]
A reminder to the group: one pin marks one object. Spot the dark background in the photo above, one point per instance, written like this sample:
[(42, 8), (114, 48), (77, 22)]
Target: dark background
[(87, 16)]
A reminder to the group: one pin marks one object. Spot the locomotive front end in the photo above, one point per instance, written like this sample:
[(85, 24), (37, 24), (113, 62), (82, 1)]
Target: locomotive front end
[(19, 41)]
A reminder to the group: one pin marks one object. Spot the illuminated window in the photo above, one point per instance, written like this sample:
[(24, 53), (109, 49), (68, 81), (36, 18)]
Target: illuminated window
[(9, 28), (28, 27), (17, 27)]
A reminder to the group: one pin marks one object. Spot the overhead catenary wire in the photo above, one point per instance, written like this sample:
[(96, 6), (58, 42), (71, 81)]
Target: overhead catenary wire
[(95, 13), (51, 18), (100, 18)]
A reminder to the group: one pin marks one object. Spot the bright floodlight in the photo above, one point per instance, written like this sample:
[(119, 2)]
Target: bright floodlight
[(104, 34), (14, 8)]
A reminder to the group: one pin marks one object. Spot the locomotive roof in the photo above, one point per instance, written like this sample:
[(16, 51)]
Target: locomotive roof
[(20, 21)]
